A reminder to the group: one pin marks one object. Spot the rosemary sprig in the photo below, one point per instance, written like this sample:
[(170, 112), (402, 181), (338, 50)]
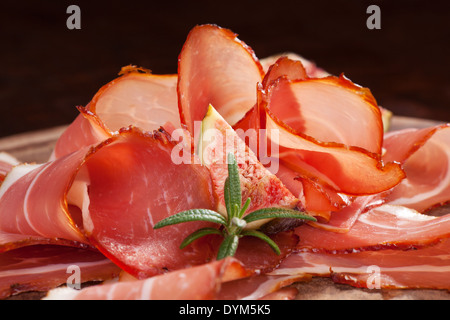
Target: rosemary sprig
[(233, 225)]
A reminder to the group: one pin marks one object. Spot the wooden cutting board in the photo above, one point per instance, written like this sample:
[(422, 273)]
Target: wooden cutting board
[(37, 147)]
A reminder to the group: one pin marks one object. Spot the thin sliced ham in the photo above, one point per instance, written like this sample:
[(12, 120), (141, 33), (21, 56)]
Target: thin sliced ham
[(109, 197), (260, 287), (131, 187), (386, 226), (197, 283), (324, 109), (138, 98), (346, 168), (426, 268), (33, 200), (284, 67), (44, 267), (311, 68), (7, 162), (217, 68), (425, 155)]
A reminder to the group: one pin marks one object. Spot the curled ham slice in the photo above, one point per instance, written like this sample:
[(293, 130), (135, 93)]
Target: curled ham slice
[(284, 67), (216, 68), (425, 154), (346, 168), (131, 187), (311, 68), (327, 160), (198, 283), (324, 109), (28, 208), (137, 98), (109, 197), (7, 162)]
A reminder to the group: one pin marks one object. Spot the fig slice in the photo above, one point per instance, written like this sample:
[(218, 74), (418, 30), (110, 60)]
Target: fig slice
[(217, 139)]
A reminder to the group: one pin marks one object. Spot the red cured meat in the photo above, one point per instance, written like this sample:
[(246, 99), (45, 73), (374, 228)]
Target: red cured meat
[(386, 226), (110, 197), (197, 283), (425, 155), (425, 268), (216, 68), (44, 267), (135, 98)]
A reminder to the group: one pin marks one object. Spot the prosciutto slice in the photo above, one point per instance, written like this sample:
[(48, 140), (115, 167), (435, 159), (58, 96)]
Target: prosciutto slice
[(27, 208), (7, 162), (311, 68), (109, 197), (346, 168), (217, 68), (386, 226), (137, 97), (425, 268), (44, 267), (425, 155), (198, 283)]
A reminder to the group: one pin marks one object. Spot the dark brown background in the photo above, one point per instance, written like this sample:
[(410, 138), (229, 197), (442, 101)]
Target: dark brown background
[(47, 70)]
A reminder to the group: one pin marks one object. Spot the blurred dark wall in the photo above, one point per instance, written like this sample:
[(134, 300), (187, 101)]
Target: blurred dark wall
[(47, 69)]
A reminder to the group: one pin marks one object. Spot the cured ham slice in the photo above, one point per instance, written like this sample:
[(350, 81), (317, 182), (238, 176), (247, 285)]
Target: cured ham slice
[(135, 98), (198, 283), (260, 287), (131, 187), (386, 226), (44, 267), (284, 67), (344, 165), (324, 110), (109, 198), (27, 208), (423, 268), (216, 68), (425, 155), (328, 161), (311, 68), (7, 162)]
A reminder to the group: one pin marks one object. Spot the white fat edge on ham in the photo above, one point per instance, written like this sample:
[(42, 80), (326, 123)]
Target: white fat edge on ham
[(153, 102), (9, 159), (15, 174), (84, 126), (440, 189), (360, 266), (78, 196), (271, 285), (69, 293)]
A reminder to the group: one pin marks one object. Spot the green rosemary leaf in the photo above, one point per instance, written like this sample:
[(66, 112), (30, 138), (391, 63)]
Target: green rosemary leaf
[(266, 213), (234, 185), (198, 234), (245, 207), (192, 215), (228, 247), (227, 196), (263, 237)]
